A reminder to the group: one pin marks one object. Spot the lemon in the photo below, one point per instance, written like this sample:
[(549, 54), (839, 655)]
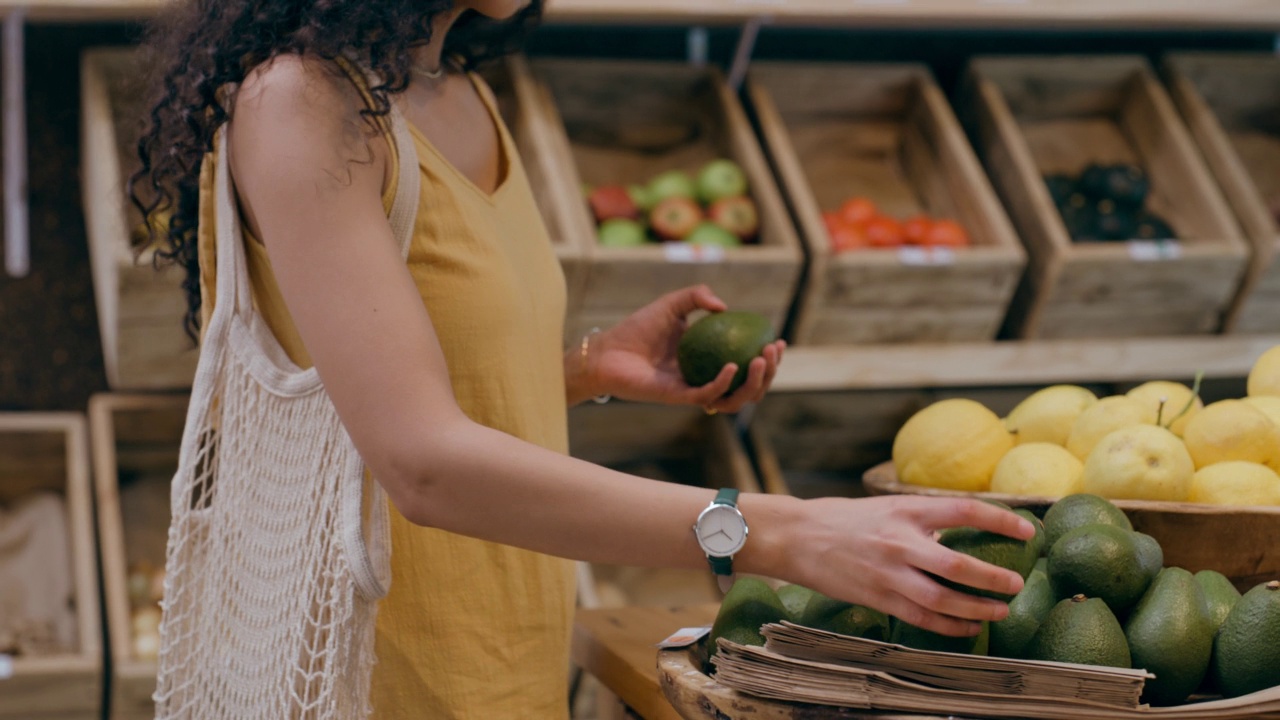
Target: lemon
[(1168, 399), (952, 444), (1264, 378), (1139, 462), (1103, 418), (1268, 404), (1047, 415), (1040, 469), (1233, 430), (1236, 483)]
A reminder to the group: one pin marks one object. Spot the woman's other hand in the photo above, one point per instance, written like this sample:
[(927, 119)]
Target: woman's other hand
[(636, 359)]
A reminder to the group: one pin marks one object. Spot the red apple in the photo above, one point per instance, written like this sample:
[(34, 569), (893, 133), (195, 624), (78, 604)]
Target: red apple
[(612, 201), (738, 215), (675, 217)]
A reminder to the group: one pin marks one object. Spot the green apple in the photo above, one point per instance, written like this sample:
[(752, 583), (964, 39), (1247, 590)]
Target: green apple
[(641, 196), (709, 233), (620, 232), (673, 183), (721, 179)]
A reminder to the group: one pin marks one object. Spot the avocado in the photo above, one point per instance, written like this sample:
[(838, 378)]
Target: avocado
[(1171, 636), (1061, 187), (1220, 595), (1098, 561), (1153, 227), (999, 550), (921, 639), (1042, 565), (837, 616), (1009, 637), (1150, 555), (794, 598), (1074, 511), (1040, 540), (719, 339), (1113, 222), (1125, 185), (1080, 630), (749, 604), (1246, 652)]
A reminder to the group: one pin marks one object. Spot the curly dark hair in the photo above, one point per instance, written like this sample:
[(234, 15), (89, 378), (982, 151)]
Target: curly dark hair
[(203, 47)]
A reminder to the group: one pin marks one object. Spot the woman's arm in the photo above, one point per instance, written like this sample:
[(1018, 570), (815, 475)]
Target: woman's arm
[(310, 178)]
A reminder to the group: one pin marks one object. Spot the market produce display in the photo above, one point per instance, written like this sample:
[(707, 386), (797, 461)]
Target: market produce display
[(1105, 203), (711, 207), (1099, 596), (859, 224), (1156, 442)]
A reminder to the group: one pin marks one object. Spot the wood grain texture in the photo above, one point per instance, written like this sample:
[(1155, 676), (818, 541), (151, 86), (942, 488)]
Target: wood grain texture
[(884, 132), (1035, 116), (134, 437), (1242, 543), (624, 122), (1230, 103), (68, 686)]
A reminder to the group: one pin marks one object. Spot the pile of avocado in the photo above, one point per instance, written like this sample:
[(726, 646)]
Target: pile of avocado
[(1106, 203), (1096, 593)]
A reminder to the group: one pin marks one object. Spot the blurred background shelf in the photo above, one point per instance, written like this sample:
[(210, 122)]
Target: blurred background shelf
[(1129, 15), (1002, 364)]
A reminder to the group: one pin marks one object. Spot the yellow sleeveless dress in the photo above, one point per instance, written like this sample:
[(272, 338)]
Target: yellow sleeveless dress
[(470, 629)]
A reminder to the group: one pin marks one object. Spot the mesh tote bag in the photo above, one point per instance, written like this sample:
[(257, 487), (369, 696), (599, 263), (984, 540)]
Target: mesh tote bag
[(278, 549)]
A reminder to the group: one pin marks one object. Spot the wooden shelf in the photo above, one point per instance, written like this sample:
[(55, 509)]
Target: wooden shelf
[(1128, 15), (1038, 362)]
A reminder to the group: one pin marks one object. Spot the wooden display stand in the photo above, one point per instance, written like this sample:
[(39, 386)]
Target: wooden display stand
[(136, 439), (49, 452), (626, 122), (1035, 116), (885, 132), (140, 308), (1230, 102)]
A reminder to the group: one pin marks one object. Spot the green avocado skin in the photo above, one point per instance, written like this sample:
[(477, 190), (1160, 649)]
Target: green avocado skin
[(1246, 651), (1170, 635), (1010, 637), (717, 340)]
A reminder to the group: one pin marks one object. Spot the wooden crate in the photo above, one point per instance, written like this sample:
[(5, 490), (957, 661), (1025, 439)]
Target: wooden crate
[(135, 454), (673, 444), (557, 199), (623, 122), (885, 132), (50, 452), (140, 309), (1034, 116), (1231, 102)]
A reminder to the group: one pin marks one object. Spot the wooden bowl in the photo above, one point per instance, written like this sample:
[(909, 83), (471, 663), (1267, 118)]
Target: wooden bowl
[(1242, 543)]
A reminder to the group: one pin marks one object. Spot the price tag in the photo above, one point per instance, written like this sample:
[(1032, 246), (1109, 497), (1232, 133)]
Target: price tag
[(6, 667), (1154, 250), (915, 255), (684, 637), (679, 252)]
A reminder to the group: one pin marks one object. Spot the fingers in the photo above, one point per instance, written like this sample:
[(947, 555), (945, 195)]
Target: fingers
[(913, 613), (750, 391), (698, 297), (934, 597), (965, 570), (708, 395), (963, 512)]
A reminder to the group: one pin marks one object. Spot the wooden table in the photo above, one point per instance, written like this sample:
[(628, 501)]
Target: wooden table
[(618, 647)]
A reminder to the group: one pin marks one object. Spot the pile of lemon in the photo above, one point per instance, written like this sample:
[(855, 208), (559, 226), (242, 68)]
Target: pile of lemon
[(1156, 442)]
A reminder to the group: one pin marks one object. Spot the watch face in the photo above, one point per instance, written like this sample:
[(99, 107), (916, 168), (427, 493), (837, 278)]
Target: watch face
[(721, 530)]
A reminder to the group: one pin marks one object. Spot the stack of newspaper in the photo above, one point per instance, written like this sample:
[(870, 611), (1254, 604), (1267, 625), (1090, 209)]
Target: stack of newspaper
[(800, 664)]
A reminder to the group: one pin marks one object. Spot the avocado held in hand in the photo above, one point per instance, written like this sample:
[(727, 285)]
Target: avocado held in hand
[(717, 340), (1016, 555)]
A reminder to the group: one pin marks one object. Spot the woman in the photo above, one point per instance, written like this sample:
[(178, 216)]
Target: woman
[(447, 373)]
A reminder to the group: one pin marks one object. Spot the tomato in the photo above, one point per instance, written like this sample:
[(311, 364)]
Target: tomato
[(884, 231), (947, 233), (858, 211), (845, 237), (916, 229)]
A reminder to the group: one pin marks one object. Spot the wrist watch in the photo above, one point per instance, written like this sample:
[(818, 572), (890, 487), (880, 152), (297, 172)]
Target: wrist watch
[(721, 531)]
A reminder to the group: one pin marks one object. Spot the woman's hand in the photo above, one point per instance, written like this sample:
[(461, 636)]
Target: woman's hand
[(877, 551), (636, 359)]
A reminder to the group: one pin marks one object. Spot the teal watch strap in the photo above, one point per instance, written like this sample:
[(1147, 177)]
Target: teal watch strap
[(723, 565)]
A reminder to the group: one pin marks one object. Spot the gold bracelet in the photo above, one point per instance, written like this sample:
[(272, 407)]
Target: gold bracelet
[(586, 345)]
